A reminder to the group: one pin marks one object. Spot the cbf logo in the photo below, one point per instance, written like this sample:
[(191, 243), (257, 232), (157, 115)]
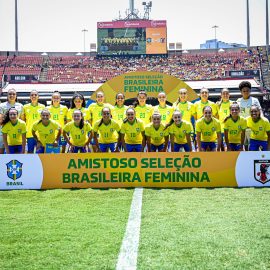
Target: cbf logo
[(262, 171), (14, 169)]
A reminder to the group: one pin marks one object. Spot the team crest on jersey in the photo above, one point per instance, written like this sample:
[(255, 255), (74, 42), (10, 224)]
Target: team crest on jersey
[(111, 129), (161, 134), (262, 171), (213, 129), (260, 128), (14, 169), (51, 131), (82, 131), (138, 129), (19, 131)]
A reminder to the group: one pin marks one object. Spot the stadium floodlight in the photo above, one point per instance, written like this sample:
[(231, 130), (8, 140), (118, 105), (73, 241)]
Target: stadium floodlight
[(221, 50), (44, 54), (84, 31), (185, 51), (215, 28), (79, 53)]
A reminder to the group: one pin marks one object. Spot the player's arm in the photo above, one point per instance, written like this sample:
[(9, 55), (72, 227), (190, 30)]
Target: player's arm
[(243, 134), (189, 141), (65, 135), (36, 138), (226, 137), (123, 142), (90, 135), (218, 141), (23, 142), (57, 137), (166, 142), (268, 140), (198, 136), (5, 143), (143, 141), (148, 143), (117, 149), (172, 141), (96, 140)]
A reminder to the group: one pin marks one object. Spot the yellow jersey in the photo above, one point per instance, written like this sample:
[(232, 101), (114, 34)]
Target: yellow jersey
[(107, 133), (78, 137), (235, 128), (84, 111), (180, 131), (223, 112), (95, 111), (199, 105), (14, 132), (119, 114), (58, 114), (133, 132), (166, 113), (46, 134), (208, 130), (259, 129), (156, 135), (32, 114), (186, 108), (144, 113)]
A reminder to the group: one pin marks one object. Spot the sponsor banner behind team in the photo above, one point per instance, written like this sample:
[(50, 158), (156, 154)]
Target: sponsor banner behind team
[(151, 82)]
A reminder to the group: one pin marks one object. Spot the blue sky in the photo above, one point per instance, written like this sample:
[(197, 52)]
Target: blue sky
[(56, 25)]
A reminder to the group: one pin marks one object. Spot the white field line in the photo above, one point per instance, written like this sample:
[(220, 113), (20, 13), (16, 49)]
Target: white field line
[(127, 258)]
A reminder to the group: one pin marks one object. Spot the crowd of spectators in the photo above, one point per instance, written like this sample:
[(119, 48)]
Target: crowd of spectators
[(190, 66)]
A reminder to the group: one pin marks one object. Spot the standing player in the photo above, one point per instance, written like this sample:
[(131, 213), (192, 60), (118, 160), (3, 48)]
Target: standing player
[(77, 133), (223, 107), (108, 131), (143, 110), (245, 103), (32, 112), (260, 130), (165, 110), (46, 131), (14, 133), (180, 131), (58, 113), (95, 112), (78, 103), (199, 105), (119, 111), (156, 136), (208, 131), (132, 132), (234, 129), (12, 103)]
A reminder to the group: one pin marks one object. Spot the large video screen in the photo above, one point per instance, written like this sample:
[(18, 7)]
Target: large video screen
[(132, 37)]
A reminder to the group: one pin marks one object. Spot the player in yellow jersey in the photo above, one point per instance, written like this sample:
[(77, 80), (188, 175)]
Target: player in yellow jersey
[(182, 104), (143, 110), (119, 111), (95, 111), (77, 133), (132, 132), (58, 114), (46, 131), (234, 129), (180, 131), (165, 110), (109, 132), (208, 130), (32, 112), (78, 103), (260, 130), (156, 137), (223, 107), (199, 105), (14, 133)]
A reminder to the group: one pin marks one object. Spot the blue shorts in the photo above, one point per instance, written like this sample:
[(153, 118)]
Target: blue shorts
[(40, 150), (158, 148), (235, 146), (256, 145), (78, 149), (178, 146), (134, 147), (211, 145), (31, 143), (104, 146), (62, 141), (15, 149)]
